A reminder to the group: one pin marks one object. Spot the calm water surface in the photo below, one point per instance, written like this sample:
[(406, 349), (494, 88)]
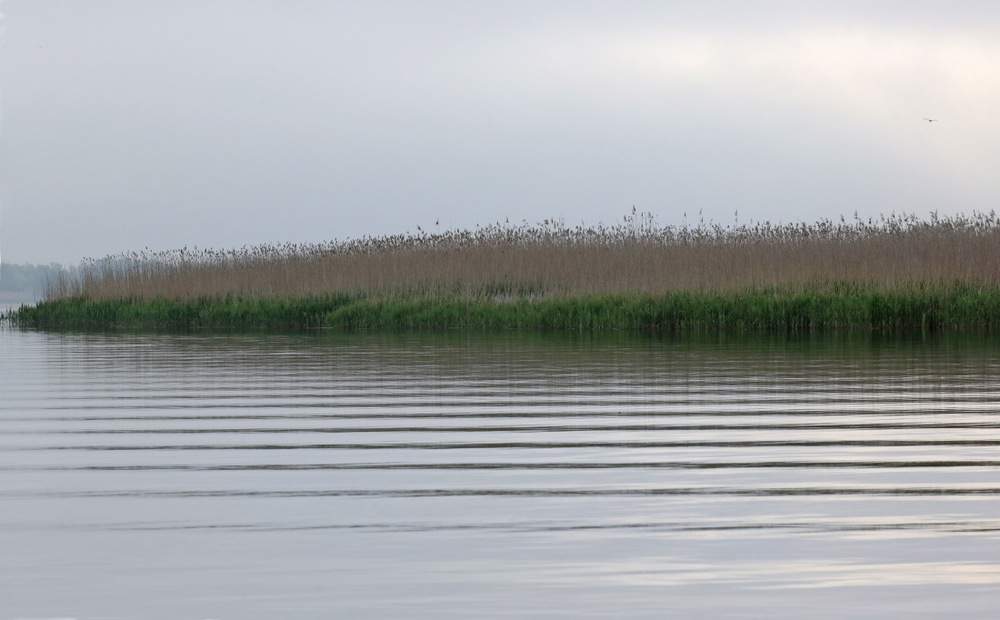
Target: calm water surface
[(413, 476)]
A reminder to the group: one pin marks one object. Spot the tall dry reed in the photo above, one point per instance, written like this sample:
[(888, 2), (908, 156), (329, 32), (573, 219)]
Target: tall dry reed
[(547, 260)]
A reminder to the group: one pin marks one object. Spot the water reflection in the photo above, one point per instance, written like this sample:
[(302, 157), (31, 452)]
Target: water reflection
[(570, 461)]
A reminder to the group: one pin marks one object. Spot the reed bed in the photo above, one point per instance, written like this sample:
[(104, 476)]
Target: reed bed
[(503, 261), (896, 271)]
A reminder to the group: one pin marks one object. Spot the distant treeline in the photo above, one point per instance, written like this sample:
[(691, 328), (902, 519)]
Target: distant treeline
[(30, 282)]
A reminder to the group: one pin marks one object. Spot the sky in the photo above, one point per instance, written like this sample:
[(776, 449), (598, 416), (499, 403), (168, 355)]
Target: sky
[(132, 124)]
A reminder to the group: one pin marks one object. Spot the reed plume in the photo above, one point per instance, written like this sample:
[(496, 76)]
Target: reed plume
[(550, 260)]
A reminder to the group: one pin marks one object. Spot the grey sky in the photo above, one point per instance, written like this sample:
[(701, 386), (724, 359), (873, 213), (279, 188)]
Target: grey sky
[(219, 123)]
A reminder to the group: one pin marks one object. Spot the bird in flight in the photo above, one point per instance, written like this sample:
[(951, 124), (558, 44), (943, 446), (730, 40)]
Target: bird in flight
[(931, 120)]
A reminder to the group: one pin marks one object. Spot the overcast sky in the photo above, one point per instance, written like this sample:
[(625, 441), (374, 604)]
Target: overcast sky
[(219, 123)]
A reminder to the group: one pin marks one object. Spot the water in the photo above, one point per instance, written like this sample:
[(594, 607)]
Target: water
[(415, 476)]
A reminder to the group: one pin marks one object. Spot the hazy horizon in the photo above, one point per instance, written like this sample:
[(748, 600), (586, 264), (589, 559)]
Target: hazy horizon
[(128, 125)]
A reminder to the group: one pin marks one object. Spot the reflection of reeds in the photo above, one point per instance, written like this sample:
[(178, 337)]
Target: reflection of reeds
[(510, 262)]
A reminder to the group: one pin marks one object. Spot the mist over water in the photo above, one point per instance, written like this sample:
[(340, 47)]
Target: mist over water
[(3, 27), (457, 475)]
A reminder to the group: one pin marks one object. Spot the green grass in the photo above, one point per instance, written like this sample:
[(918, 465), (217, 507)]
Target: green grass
[(844, 307)]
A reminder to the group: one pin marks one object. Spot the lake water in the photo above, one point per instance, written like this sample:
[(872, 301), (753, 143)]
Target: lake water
[(194, 476)]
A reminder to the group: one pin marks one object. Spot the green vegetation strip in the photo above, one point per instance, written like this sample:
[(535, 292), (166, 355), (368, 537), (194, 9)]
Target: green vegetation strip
[(916, 309)]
